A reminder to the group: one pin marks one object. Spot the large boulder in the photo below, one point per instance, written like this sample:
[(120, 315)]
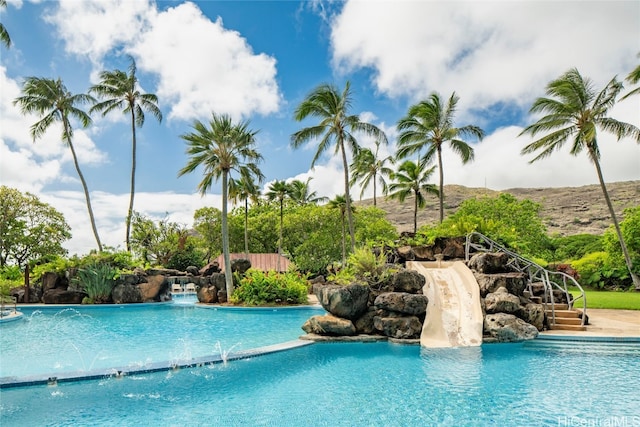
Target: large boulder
[(348, 302), (403, 327), (501, 301), (489, 263), (193, 270), (365, 323), (51, 280), (126, 293), (409, 281), (329, 325), (154, 287), (209, 269), (240, 265), (402, 302), (533, 314), (514, 282), (508, 328), (218, 280), (63, 296), (208, 294)]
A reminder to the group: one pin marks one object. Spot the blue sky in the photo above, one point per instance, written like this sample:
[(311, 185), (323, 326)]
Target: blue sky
[(256, 60)]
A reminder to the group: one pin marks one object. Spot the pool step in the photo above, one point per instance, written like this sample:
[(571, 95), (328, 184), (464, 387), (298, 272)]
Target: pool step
[(565, 319)]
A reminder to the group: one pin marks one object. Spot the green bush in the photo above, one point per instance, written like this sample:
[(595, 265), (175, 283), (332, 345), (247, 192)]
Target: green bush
[(97, 280), (595, 270), (566, 248), (10, 277), (259, 288), (630, 228)]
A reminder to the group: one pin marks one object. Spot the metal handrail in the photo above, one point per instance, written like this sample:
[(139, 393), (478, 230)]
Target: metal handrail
[(533, 270)]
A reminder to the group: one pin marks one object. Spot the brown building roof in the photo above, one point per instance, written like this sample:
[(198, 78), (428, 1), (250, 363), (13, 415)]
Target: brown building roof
[(263, 262)]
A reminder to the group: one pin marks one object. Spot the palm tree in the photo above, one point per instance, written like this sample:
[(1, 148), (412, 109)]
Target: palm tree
[(633, 78), (370, 169), (412, 178), (120, 90), (573, 111), (336, 127), (54, 103), (301, 194), (428, 125), (279, 190), (221, 147), (244, 189), (4, 34), (340, 202)]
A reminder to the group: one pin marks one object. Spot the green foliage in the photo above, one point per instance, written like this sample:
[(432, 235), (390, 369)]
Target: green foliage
[(97, 280), (55, 264), (184, 257), (512, 222), (29, 228), (575, 247), (10, 277), (369, 266), (630, 228), (259, 288), (596, 270), (158, 242)]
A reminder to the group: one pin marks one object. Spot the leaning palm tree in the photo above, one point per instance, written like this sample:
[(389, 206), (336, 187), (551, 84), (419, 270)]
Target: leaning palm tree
[(302, 195), (221, 147), (429, 125), (412, 178), (370, 169), (573, 111), (4, 34), (54, 103), (244, 189), (336, 127), (340, 202), (119, 90), (279, 190)]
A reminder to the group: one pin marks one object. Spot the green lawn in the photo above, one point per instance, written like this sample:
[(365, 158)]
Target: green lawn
[(610, 299)]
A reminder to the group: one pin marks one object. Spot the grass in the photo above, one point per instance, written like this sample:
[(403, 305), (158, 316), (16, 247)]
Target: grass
[(610, 299)]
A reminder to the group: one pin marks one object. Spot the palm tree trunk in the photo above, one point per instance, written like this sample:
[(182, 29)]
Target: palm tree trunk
[(374, 190), (84, 186), (347, 195), (225, 237), (279, 239), (627, 259), (133, 179), (246, 232), (344, 243), (415, 213), (441, 195)]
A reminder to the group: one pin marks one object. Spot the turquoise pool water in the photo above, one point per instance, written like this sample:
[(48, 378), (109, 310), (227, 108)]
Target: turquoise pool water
[(358, 385), (51, 341)]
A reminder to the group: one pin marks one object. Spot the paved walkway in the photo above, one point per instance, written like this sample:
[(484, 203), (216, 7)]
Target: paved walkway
[(605, 322)]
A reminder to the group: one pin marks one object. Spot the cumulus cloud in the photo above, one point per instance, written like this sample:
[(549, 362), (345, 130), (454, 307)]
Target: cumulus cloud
[(229, 77), (488, 52)]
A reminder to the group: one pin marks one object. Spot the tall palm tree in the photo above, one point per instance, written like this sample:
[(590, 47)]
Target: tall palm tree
[(340, 202), (120, 90), (573, 111), (54, 103), (244, 189), (429, 125), (279, 190), (336, 127), (370, 169), (221, 147), (412, 178), (4, 34), (301, 194)]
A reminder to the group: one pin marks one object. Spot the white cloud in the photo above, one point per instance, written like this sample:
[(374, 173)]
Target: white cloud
[(229, 76), (485, 51)]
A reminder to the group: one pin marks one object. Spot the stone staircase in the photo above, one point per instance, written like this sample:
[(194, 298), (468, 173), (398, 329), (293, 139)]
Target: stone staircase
[(549, 288)]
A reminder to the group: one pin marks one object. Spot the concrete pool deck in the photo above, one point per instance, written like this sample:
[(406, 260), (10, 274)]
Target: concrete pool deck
[(607, 323)]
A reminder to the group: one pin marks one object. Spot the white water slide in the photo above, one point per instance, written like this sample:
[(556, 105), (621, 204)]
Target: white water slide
[(454, 316)]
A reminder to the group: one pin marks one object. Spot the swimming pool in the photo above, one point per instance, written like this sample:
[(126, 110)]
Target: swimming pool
[(53, 341), (355, 384)]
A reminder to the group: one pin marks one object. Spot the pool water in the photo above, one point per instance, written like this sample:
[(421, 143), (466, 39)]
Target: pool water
[(357, 384), (51, 341)]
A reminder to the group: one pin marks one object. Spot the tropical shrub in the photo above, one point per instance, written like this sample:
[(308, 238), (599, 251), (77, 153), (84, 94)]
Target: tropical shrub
[(259, 288), (596, 270), (10, 277), (630, 228), (575, 247), (97, 280)]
